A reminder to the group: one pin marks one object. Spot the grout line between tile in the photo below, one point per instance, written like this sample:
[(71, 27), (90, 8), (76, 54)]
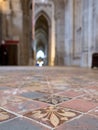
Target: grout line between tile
[(18, 115), (8, 120), (38, 122)]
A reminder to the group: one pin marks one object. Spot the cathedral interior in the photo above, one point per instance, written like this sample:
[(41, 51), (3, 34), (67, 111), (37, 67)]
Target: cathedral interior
[(49, 64)]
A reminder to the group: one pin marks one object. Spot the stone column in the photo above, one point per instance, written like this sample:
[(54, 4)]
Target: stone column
[(68, 32), (52, 41), (85, 33), (90, 33), (17, 28), (6, 12), (60, 31)]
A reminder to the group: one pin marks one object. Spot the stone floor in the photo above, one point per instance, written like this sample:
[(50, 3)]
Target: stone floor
[(43, 98)]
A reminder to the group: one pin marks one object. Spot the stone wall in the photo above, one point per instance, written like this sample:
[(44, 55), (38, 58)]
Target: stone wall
[(80, 32), (16, 26), (60, 31), (73, 29)]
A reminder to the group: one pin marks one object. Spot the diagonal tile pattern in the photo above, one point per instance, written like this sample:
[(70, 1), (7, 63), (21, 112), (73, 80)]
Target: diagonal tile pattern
[(48, 98), (79, 105), (21, 105), (53, 99), (94, 112), (83, 123), (4, 115), (52, 116), (22, 124)]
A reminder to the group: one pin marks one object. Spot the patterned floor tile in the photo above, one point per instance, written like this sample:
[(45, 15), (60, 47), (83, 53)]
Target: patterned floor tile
[(83, 123), (53, 99), (90, 98), (4, 88), (4, 115), (71, 93), (94, 112), (52, 116), (21, 105), (33, 95), (79, 105), (94, 88), (50, 91), (22, 124), (38, 83)]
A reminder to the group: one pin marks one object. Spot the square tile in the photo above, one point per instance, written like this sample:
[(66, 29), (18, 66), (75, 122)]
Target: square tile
[(4, 87), (33, 95), (71, 93), (95, 88), (83, 123), (21, 105), (79, 105), (4, 115), (52, 116), (22, 124), (94, 112), (50, 91), (53, 99), (90, 97)]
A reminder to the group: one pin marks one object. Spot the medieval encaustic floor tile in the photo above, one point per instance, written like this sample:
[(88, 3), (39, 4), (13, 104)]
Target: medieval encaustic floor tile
[(79, 105), (94, 112), (22, 105), (52, 116), (90, 98), (85, 122), (53, 99), (22, 124), (33, 95), (50, 91), (71, 93), (4, 115)]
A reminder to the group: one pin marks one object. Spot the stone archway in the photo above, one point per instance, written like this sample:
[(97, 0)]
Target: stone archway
[(42, 37)]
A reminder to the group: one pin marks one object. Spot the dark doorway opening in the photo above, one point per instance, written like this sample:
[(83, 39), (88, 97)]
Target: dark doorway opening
[(8, 55), (12, 54)]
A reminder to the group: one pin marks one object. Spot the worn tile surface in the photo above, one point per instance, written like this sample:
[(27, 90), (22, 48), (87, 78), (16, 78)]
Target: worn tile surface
[(5, 116), (94, 112), (22, 124), (53, 99), (79, 105), (21, 105), (52, 116), (33, 95), (48, 98), (83, 123), (71, 93)]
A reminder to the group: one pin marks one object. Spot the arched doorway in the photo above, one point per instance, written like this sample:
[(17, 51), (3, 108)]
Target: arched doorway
[(42, 39)]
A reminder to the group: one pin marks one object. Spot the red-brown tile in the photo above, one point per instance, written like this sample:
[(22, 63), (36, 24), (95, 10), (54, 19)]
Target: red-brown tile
[(90, 97), (71, 93), (21, 105), (79, 105), (94, 112), (95, 88)]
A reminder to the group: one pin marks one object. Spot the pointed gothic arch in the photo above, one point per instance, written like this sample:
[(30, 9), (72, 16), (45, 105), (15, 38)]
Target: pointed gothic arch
[(42, 35)]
